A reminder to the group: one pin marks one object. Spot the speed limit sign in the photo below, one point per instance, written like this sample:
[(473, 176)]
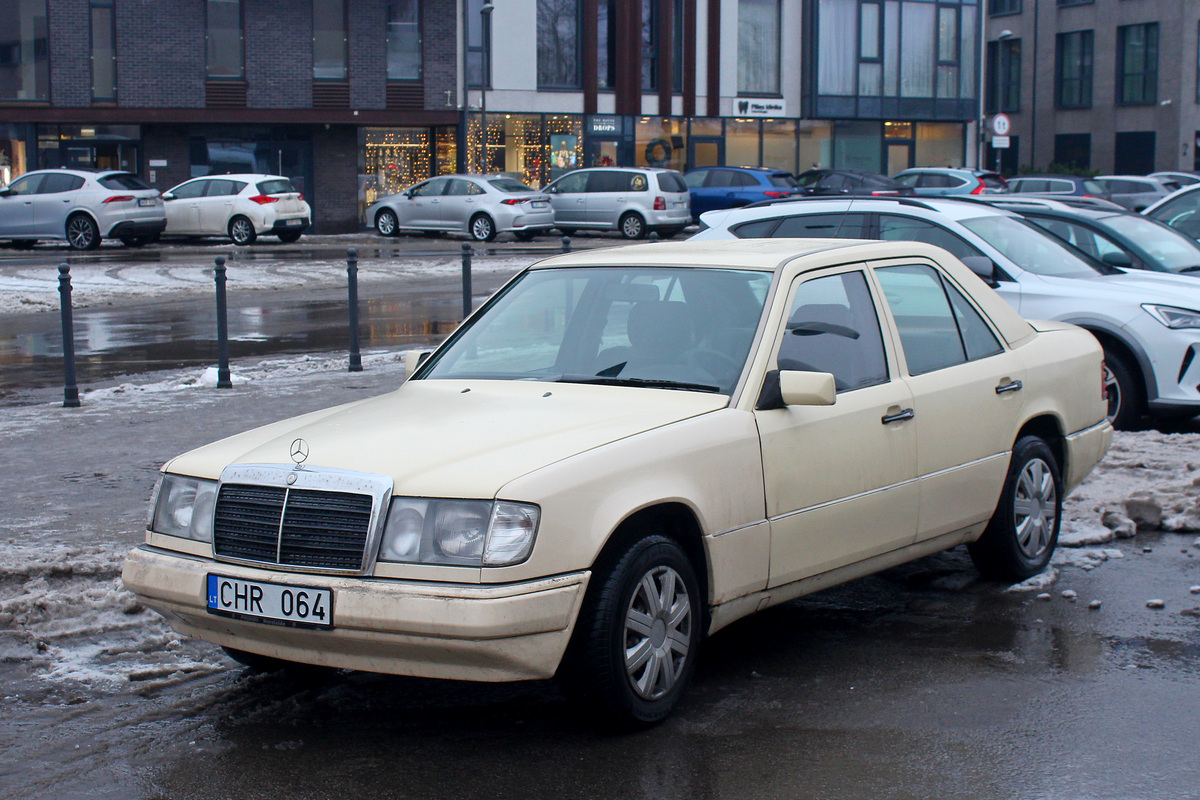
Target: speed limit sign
[(1001, 125)]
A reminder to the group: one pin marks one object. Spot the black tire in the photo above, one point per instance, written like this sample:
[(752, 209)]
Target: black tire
[(1124, 392), (481, 228), (620, 616), (82, 232), (386, 223), (1023, 532), (288, 237), (241, 231), (524, 236), (632, 226)]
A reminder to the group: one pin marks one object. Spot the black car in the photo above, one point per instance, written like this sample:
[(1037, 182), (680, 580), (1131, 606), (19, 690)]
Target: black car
[(1118, 238), (841, 182)]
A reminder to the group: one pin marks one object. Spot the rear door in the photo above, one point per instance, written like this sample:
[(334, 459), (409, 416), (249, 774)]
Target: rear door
[(216, 207), (460, 202), (608, 193)]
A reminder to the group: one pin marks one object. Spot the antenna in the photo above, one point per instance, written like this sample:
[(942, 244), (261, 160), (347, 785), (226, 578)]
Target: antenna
[(837, 231)]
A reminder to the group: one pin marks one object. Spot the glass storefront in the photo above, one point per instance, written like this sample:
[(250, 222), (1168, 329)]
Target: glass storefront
[(14, 153), (89, 146), (816, 144), (661, 142), (392, 159), (941, 144)]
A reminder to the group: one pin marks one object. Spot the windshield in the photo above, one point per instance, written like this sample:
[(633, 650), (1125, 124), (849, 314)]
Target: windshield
[(666, 328), (1166, 246), (1028, 247)]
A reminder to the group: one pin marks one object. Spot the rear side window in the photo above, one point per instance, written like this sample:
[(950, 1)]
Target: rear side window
[(926, 323), (759, 229), (743, 179), (276, 186), (823, 226), (783, 180), (1065, 186), (122, 180), (613, 181), (893, 228), (60, 182), (223, 187), (673, 182), (993, 182)]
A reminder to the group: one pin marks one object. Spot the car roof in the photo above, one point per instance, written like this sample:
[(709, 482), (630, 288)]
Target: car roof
[(242, 176), (953, 207), (772, 170), (766, 255), (1063, 211)]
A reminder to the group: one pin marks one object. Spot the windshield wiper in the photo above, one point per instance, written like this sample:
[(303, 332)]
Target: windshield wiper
[(648, 383)]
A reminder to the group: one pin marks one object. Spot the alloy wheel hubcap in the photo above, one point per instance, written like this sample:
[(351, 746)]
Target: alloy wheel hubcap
[(1113, 389), (658, 627), (80, 233), (1034, 508), (387, 224)]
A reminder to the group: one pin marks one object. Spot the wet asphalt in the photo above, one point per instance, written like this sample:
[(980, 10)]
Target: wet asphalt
[(920, 682)]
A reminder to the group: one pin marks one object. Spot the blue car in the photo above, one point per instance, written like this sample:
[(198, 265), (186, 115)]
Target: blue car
[(730, 187)]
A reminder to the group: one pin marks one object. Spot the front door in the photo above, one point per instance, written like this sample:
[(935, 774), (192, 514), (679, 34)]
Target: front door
[(841, 479), (16, 206), (568, 195), (706, 151)]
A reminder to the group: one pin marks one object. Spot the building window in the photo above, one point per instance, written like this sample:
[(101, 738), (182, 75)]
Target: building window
[(24, 52), (1073, 70), (1003, 76), (1137, 64), (997, 8), (650, 25), (104, 51), (606, 50), (758, 46), (1073, 150), (558, 44), (329, 40), (1198, 70), (479, 40), (948, 36), (404, 40), (223, 33)]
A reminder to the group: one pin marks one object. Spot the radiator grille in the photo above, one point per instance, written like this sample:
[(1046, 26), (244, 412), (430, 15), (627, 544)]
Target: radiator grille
[(292, 527)]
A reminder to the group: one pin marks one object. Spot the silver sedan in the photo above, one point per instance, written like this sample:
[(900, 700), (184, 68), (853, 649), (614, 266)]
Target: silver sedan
[(481, 206)]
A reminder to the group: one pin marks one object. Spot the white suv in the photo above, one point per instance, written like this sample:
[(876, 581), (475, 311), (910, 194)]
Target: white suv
[(80, 206), (1148, 322), (632, 200)]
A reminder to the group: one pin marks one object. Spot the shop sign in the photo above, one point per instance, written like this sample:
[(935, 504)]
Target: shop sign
[(749, 107), (602, 125)]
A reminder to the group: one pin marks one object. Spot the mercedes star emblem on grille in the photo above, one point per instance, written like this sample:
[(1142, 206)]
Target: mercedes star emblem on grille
[(299, 451)]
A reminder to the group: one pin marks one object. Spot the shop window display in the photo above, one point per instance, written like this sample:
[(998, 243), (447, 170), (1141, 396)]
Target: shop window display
[(392, 159)]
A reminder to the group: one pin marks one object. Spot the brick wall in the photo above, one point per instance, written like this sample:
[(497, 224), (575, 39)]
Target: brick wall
[(368, 53), (439, 32), (161, 58), (335, 176), (279, 65), (166, 143), (69, 22)]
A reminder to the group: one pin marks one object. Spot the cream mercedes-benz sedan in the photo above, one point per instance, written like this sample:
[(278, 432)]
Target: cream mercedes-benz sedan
[(622, 452)]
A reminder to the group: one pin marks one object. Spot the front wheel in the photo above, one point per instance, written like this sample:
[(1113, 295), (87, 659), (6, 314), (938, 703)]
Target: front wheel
[(1123, 390), (632, 226), (385, 222), (241, 231), (1023, 532), (635, 644), (82, 233), (482, 228)]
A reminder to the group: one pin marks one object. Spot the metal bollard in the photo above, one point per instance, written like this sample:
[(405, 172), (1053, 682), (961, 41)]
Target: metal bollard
[(70, 389), (223, 381), (352, 285), (566, 244), (654, 236), (466, 279)]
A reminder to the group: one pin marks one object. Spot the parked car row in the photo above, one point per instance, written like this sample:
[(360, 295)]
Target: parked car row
[(84, 207)]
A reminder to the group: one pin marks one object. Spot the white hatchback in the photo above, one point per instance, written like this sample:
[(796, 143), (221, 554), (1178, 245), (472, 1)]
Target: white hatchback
[(241, 207)]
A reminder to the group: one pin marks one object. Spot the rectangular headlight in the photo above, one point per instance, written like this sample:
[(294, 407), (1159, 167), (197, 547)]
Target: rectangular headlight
[(184, 507), (469, 533)]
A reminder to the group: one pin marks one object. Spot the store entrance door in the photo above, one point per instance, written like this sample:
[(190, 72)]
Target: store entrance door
[(899, 157), (604, 153), (706, 151)]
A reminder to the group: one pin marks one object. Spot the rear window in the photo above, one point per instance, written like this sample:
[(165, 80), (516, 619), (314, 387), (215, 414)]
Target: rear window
[(993, 181), (1091, 187), (276, 186), (509, 185), (122, 180), (783, 180), (671, 182)]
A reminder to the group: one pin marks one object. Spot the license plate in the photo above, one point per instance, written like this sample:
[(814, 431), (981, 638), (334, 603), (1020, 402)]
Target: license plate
[(539, 204), (271, 603), (293, 222), (146, 201)]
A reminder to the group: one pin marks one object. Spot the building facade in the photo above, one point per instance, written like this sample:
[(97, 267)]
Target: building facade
[(354, 99), (1104, 85)]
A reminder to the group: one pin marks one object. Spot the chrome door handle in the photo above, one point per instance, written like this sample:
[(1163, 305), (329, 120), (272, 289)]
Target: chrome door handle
[(899, 416), (1015, 386)]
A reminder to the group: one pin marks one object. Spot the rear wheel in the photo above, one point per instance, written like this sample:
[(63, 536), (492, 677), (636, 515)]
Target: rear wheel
[(635, 644), (241, 231), (82, 233), (632, 226), (385, 222), (1023, 532), (482, 228)]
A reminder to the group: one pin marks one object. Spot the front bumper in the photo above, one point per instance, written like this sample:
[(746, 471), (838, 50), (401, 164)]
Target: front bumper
[(433, 630)]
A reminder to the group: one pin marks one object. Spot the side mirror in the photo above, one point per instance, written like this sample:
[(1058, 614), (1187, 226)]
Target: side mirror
[(984, 267), (1118, 259), (413, 359), (167, 196), (6, 192), (782, 388)]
